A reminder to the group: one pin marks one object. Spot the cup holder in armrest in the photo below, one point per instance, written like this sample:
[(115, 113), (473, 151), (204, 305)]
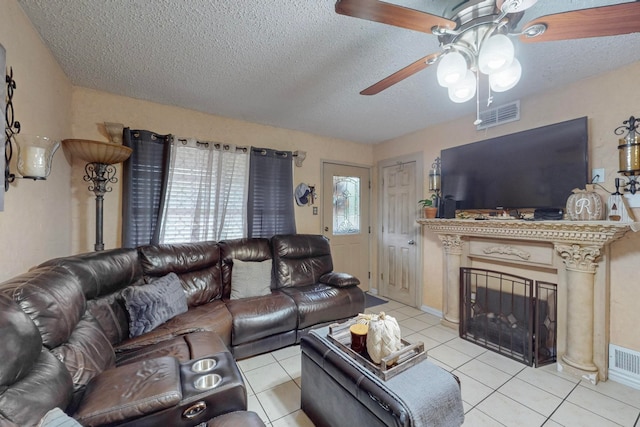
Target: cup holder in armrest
[(204, 365), (207, 382)]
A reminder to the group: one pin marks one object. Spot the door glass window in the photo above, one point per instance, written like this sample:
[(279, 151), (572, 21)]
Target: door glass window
[(346, 205)]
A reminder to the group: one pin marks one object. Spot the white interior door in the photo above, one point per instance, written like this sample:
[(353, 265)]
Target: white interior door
[(399, 249), (345, 217)]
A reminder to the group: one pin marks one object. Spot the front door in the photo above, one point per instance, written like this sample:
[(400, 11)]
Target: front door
[(399, 251), (345, 218)]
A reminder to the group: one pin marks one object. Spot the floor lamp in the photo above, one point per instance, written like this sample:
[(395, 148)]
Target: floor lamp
[(99, 170)]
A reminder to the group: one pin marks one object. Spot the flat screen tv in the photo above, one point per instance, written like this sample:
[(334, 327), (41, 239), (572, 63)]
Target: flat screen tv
[(536, 168)]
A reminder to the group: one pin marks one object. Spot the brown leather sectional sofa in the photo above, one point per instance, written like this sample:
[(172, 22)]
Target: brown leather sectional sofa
[(66, 344)]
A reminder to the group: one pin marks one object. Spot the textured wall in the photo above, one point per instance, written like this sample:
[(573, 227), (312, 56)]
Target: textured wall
[(92, 108), (605, 100), (36, 222)]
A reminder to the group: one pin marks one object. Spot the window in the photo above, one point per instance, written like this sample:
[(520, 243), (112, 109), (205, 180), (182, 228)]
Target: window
[(206, 192), (346, 205)]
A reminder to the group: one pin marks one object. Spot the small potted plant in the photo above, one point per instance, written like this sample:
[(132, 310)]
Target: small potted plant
[(427, 204)]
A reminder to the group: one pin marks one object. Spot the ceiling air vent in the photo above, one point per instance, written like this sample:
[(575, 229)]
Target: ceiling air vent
[(499, 115)]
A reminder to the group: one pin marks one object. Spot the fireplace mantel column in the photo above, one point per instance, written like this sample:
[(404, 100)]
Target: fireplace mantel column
[(580, 262), (452, 248)]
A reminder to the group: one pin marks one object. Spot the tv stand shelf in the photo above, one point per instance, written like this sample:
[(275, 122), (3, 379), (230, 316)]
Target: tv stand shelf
[(571, 248)]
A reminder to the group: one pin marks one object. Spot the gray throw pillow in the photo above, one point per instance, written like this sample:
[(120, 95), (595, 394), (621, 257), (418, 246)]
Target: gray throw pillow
[(149, 306), (250, 278), (57, 418)]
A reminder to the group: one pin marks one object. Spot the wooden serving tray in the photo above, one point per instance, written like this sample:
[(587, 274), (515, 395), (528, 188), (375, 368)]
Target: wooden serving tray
[(389, 366)]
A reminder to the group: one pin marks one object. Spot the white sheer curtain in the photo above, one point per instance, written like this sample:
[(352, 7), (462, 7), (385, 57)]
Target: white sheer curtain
[(206, 192)]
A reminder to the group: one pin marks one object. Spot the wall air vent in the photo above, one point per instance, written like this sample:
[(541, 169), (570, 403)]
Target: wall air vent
[(624, 366), (499, 115)]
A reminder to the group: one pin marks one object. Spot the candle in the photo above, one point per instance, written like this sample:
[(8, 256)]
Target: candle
[(34, 162)]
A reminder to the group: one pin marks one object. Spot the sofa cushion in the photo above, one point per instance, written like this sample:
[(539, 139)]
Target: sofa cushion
[(214, 317), (321, 303), (57, 418), (151, 305), (259, 317), (300, 259), (196, 264), (52, 298), (45, 385), (245, 249), (110, 313), (131, 391), (250, 278), (87, 353)]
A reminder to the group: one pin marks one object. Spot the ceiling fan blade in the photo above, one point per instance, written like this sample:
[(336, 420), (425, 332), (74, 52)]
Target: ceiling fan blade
[(594, 22), (400, 75), (391, 14)]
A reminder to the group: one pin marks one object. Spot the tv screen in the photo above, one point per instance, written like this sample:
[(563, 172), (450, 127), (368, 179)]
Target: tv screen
[(536, 168)]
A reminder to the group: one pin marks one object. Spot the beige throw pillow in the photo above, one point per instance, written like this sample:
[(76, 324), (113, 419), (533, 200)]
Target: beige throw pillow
[(250, 278)]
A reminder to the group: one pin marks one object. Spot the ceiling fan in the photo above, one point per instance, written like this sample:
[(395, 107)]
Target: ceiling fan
[(475, 36)]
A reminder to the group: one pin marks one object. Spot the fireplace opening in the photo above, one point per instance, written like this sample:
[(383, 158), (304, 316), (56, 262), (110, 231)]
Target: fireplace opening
[(509, 314)]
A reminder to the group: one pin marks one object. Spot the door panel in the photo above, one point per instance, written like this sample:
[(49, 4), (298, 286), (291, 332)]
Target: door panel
[(345, 218), (399, 257)]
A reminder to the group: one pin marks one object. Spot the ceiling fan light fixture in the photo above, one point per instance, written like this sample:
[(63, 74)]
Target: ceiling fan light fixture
[(464, 90), (452, 68), (496, 54), (506, 79)]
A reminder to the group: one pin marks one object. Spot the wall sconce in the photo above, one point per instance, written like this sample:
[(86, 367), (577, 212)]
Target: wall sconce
[(99, 170), (435, 183), (35, 153), (629, 152), (299, 157)]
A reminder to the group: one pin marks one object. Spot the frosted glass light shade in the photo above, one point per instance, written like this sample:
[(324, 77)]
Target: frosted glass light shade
[(464, 90), (506, 79), (35, 154), (451, 69), (496, 54)]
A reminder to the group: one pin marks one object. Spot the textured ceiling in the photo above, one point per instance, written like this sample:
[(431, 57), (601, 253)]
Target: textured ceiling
[(293, 64)]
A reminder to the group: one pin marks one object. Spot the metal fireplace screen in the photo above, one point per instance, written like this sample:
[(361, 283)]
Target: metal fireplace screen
[(509, 315)]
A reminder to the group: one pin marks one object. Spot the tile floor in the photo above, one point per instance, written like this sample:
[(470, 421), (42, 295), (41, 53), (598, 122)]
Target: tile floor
[(496, 391)]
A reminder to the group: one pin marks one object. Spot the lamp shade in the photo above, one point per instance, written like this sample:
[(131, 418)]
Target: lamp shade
[(496, 54), (464, 90), (507, 78), (90, 151), (452, 68), (629, 155), (35, 154)]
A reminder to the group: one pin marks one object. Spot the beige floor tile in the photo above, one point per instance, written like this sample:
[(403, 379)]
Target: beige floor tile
[(487, 375), (473, 392), (296, 419), (284, 353), (477, 418), (439, 333), (509, 412), (547, 381), (428, 342), (410, 311), (530, 396), (604, 406), (466, 347), (414, 324), (569, 414), (254, 405), (448, 355), (392, 305), (428, 318), (442, 365), (623, 393), (399, 316), (503, 363), (293, 366), (280, 401), (267, 377), (256, 362)]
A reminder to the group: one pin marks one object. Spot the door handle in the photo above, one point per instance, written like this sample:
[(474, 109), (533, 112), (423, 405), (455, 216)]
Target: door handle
[(326, 229), (411, 242)]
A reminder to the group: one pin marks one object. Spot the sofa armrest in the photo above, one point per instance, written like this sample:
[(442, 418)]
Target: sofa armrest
[(339, 280)]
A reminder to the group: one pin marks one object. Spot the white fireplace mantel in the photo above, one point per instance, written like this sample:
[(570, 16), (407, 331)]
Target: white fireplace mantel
[(577, 250)]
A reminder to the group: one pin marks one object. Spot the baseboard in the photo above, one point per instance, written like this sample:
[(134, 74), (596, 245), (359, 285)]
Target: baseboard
[(431, 310), (372, 291)]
